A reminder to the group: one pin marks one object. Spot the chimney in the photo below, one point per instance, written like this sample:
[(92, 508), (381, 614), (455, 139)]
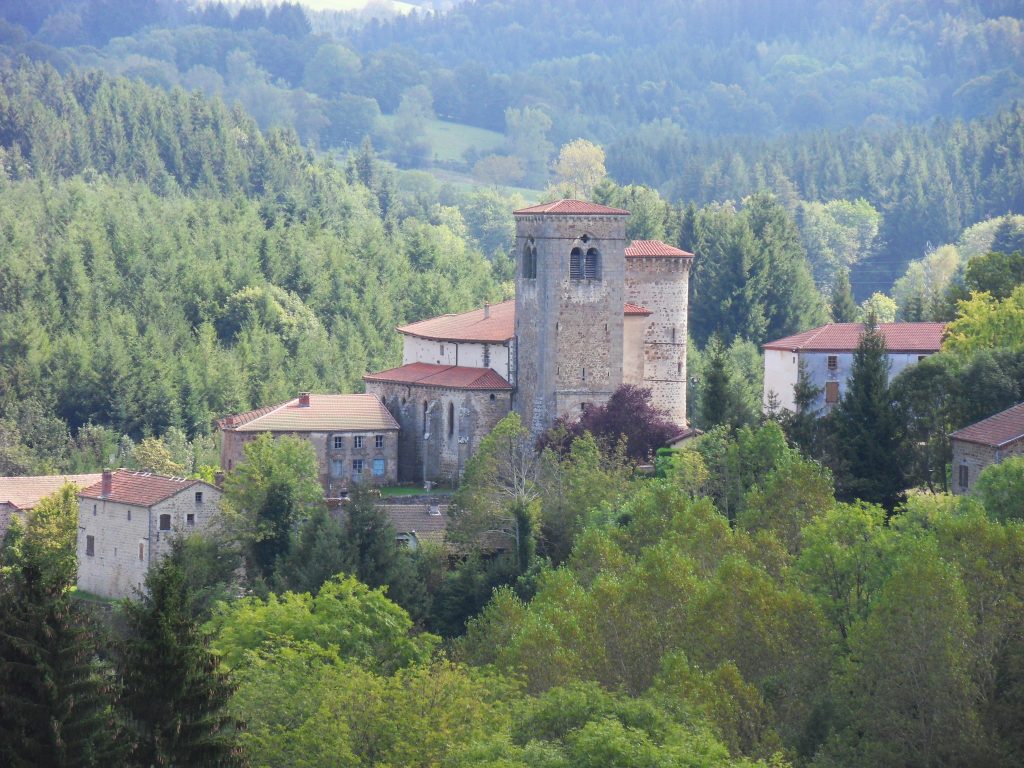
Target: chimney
[(304, 400), (107, 483), (218, 478), (487, 310)]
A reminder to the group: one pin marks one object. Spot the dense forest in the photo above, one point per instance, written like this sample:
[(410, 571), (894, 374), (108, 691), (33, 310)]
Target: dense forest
[(910, 109)]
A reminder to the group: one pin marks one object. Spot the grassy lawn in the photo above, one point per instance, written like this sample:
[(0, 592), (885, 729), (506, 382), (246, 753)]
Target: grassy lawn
[(81, 594), (411, 490), (449, 140)]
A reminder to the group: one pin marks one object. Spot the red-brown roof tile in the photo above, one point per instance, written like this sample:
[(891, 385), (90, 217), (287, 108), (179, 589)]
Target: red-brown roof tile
[(140, 489), (470, 326), (325, 413), (449, 376), (238, 419), (844, 337), (572, 208), (25, 492), (635, 309), (999, 430), (647, 248)]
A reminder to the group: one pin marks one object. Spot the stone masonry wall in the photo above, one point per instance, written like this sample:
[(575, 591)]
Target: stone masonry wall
[(569, 332), (440, 428), (124, 548), (661, 284), (976, 457)]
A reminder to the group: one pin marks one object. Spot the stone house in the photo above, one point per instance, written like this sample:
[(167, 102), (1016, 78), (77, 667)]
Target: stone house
[(826, 353), (19, 495), (984, 443), (591, 312), (355, 437), (126, 522)]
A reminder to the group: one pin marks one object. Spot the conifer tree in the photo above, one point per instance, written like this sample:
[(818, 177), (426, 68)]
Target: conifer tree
[(369, 538), (173, 691), (844, 308), (870, 465)]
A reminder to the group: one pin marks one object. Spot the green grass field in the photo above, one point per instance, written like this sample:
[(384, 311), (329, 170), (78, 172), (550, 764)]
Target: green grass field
[(450, 140)]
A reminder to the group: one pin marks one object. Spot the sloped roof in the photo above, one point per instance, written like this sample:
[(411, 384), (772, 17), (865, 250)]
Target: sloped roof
[(844, 337), (25, 492), (635, 309), (325, 413), (449, 376), (416, 519), (472, 326), (999, 430), (648, 248), (140, 489), (572, 208)]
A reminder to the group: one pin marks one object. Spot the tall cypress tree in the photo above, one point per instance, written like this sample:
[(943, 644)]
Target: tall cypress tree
[(844, 308), (870, 463), (173, 691)]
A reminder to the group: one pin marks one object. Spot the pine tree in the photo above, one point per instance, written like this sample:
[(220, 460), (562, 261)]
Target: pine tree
[(844, 308), (369, 541), (173, 691), (870, 464)]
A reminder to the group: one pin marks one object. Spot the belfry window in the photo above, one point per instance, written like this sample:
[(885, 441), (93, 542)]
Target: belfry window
[(530, 260), (576, 264), (592, 265)]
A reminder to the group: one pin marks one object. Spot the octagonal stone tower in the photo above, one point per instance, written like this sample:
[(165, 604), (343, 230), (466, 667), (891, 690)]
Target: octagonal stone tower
[(570, 287), (657, 277)]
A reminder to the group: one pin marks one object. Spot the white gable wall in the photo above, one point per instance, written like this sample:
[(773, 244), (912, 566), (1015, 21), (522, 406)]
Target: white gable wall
[(464, 353)]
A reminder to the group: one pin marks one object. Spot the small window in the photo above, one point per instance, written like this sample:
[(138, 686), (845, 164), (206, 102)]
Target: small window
[(493, 398), (231, 464), (142, 551), (94, 510), (831, 392), (679, 369), (833, 362), (337, 468), (165, 522), (529, 260), (576, 264), (378, 441), (90, 545), (964, 477), (592, 265), (357, 441), (487, 356), (673, 335), (442, 350), (378, 467), (451, 419), (357, 467), (129, 514), (584, 374), (339, 442), (921, 357), (199, 497), (190, 519)]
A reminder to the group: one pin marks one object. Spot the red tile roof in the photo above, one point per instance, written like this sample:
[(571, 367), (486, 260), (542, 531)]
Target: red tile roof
[(470, 326), (641, 248), (325, 413), (26, 492), (572, 208), (635, 309), (140, 489), (844, 337), (450, 376), (996, 431)]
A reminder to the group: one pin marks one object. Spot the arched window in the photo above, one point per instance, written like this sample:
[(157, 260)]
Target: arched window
[(451, 419), (576, 264), (592, 265), (425, 425), (530, 260)]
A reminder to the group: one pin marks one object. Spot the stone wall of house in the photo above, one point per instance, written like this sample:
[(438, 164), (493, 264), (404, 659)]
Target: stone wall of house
[(976, 457), (464, 353), (661, 285), (7, 511), (633, 329), (440, 428), (336, 468), (569, 332), (127, 538)]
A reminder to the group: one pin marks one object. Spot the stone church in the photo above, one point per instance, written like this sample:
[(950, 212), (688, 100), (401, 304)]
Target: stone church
[(592, 312)]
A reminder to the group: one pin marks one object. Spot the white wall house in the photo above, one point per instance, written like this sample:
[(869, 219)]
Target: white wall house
[(481, 338), (827, 355), (127, 521)]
